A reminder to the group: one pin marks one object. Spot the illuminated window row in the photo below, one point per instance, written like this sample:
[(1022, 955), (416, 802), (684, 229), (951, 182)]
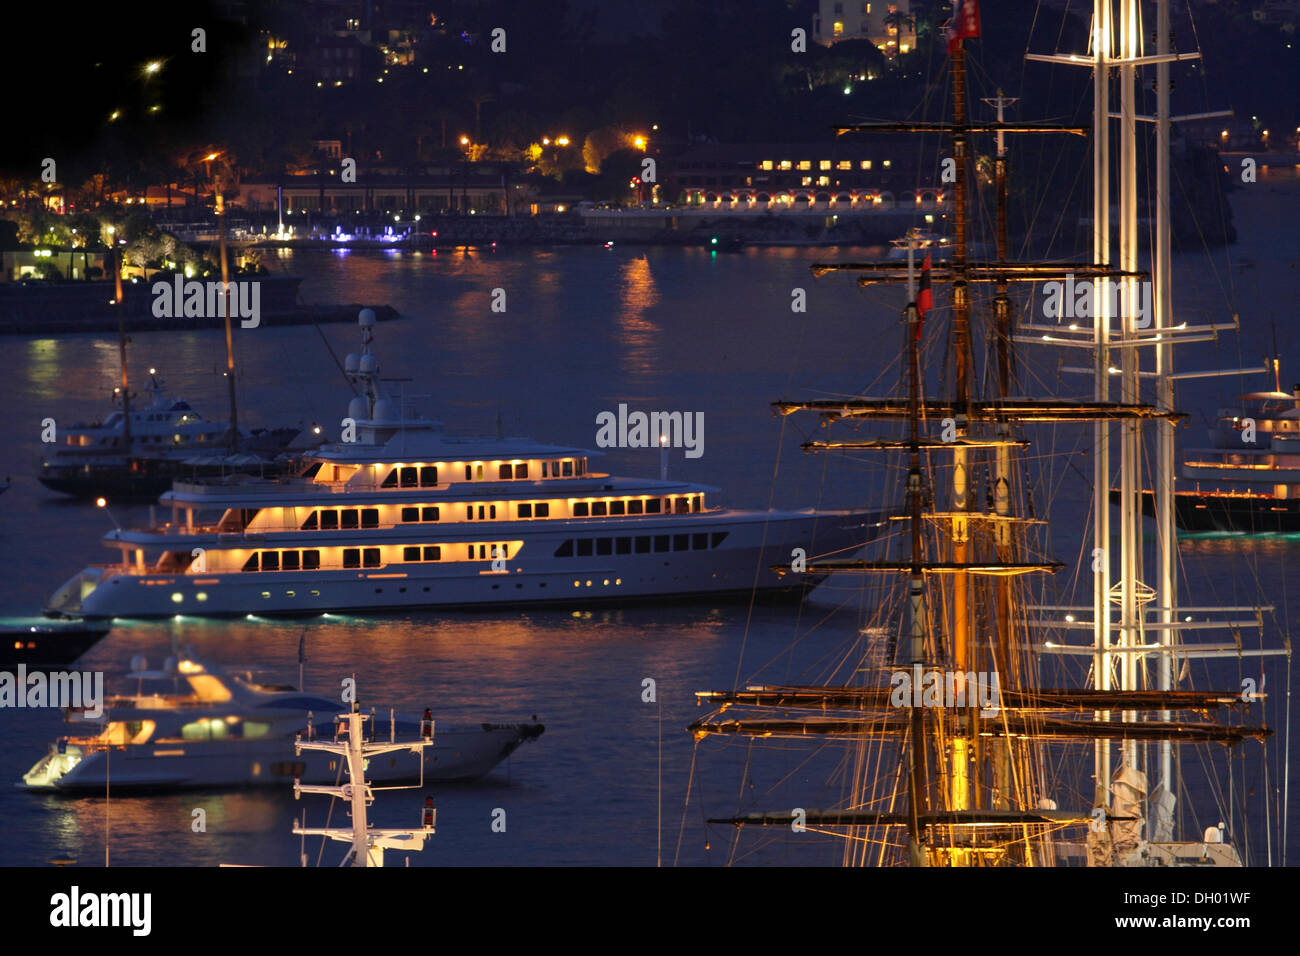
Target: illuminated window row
[(407, 476), (332, 519), (428, 552), (651, 506), (640, 544), (308, 560), (823, 164)]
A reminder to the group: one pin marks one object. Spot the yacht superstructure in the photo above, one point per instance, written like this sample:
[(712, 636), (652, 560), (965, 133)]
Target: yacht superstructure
[(401, 515)]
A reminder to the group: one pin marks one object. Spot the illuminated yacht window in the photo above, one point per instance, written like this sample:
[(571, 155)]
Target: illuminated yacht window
[(566, 468), (635, 507), (525, 511), (652, 506), (598, 509), (310, 562), (617, 507), (580, 509)]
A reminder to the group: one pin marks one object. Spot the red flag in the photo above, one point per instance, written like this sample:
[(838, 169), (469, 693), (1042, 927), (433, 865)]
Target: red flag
[(965, 23), (924, 297)]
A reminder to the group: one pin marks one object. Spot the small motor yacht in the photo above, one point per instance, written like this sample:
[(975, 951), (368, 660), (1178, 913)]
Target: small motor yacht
[(196, 726)]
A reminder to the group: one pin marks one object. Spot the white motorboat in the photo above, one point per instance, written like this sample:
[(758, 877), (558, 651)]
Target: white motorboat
[(197, 726)]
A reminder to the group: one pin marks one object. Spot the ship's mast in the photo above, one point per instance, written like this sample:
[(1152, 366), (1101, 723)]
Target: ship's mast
[(1101, 43), (368, 843), (1166, 534), (114, 259), (225, 314), (960, 796), (918, 794), (1002, 529)]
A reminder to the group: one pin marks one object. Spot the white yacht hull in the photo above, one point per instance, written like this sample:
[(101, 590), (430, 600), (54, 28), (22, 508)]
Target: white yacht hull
[(739, 566), (457, 754)]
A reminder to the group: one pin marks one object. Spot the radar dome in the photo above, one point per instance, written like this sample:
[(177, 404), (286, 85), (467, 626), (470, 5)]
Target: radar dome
[(358, 409), (350, 363), (171, 665), (139, 663), (366, 318), (369, 364), (385, 411)]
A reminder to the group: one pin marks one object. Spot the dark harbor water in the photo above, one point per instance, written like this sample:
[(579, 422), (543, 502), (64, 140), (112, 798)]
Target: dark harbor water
[(584, 330)]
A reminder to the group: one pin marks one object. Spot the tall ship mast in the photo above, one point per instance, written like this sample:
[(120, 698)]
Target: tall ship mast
[(978, 729)]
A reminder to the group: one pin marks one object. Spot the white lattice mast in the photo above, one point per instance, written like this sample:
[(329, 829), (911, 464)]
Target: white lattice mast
[(368, 843)]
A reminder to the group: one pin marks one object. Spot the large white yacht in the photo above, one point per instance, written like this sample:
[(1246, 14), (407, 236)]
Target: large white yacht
[(405, 516), (196, 725)]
